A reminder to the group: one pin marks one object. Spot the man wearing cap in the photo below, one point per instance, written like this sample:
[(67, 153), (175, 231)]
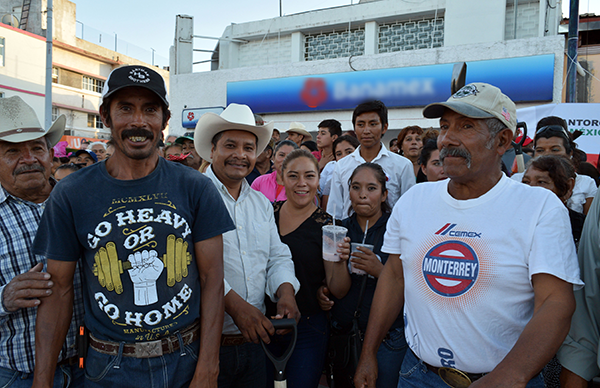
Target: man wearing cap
[(192, 159), (86, 157), (297, 133), (256, 261), (151, 247), (25, 163), (488, 294)]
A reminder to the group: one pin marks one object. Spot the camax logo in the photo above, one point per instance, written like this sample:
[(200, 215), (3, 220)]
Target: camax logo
[(448, 230)]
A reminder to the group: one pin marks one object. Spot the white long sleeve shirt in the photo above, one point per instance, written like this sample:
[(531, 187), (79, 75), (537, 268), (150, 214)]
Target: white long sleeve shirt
[(255, 261), (398, 169)]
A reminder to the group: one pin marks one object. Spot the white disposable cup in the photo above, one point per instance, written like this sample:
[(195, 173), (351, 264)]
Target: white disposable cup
[(332, 236), (354, 246)]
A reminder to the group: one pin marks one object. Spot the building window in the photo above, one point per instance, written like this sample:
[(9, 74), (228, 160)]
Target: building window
[(334, 44), (1, 51), (54, 113), (94, 121), (527, 19), (93, 84), (411, 35), (54, 75)]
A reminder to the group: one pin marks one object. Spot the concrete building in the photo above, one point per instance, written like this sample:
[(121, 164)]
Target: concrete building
[(80, 68), (23, 67), (320, 64)]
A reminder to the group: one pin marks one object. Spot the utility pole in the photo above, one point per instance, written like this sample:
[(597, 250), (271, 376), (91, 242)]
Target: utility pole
[(572, 44), (48, 96)]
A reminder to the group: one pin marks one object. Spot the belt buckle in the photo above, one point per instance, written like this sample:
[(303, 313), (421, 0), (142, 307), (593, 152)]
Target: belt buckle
[(148, 349), (454, 377)]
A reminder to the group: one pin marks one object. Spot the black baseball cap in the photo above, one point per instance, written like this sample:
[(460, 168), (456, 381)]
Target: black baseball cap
[(141, 76)]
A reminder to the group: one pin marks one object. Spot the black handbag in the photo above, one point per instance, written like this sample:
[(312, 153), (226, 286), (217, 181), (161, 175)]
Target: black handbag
[(344, 348)]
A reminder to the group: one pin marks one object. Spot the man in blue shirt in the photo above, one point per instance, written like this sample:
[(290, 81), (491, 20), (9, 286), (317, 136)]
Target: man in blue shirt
[(151, 244)]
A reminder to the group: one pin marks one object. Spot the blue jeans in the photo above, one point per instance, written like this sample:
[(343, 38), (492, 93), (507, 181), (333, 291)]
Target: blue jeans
[(242, 366), (389, 358), (415, 374), (172, 370), (305, 366), (66, 376)]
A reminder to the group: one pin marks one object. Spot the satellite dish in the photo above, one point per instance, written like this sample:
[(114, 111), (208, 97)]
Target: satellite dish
[(10, 20)]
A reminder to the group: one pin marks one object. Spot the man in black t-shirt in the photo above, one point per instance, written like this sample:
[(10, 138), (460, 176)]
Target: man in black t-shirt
[(153, 266)]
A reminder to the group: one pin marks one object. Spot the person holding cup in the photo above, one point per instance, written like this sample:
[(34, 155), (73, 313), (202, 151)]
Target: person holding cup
[(299, 222), (368, 196)]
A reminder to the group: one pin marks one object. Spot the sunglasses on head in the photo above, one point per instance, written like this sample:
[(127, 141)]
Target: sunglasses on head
[(554, 129)]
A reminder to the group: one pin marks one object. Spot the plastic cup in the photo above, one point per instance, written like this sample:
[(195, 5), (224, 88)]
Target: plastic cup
[(332, 236), (354, 249)]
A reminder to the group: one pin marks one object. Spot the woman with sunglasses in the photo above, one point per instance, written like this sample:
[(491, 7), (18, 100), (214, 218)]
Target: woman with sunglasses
[(552, 138)]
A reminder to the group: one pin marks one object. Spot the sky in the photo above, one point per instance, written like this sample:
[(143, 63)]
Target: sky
[(150, 24)]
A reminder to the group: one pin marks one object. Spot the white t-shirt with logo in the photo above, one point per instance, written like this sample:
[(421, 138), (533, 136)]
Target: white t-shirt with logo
[(468, 266)]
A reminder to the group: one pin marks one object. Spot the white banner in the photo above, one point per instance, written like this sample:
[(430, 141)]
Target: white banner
[(583, 117)]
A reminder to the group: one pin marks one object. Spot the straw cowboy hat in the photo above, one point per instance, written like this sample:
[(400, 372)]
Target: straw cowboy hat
[(19, 123), (298, 128), (234, 117)]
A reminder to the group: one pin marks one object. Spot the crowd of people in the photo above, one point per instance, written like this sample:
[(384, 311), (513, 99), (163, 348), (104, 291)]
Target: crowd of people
[(172, 268)]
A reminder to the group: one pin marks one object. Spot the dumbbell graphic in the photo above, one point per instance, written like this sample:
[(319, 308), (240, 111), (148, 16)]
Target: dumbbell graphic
[(108, 268)]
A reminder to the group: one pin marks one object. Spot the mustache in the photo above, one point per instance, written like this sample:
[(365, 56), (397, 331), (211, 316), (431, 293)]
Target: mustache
[(33, 167), (135, 132), (454, 151), (237, 161)]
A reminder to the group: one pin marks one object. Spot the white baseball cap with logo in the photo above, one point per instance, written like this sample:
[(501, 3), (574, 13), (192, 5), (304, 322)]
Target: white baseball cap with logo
[(478, 101), (19, 123)]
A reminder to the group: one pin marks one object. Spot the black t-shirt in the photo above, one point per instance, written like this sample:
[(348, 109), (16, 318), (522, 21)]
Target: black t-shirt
[(343, 309), (306, 245), (136, 238)]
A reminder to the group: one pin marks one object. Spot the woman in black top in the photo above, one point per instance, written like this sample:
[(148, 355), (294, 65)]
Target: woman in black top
[(299, 222), (368, 195)]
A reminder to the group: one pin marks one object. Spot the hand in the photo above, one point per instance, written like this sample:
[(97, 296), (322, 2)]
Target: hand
[(324, 160), (146, 268), (204, 378), (253, 324), (490, 381), (344, 249), (24, 290), (366, 371), (323, 298), (367, 261)]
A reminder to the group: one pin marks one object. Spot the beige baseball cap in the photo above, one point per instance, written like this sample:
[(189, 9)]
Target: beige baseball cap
[(478, 101)]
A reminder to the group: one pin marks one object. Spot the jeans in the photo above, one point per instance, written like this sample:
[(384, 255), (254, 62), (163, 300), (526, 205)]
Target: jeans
[(415, 374), (305, 366), (65, 377), (172, 370), (389, 358), (242, 366)]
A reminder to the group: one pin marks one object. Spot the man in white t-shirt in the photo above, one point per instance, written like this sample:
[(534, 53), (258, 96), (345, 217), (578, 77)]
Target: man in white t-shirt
[(487, 292), (370, 120)]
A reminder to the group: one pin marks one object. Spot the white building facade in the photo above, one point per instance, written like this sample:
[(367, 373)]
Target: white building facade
[(318, 65)]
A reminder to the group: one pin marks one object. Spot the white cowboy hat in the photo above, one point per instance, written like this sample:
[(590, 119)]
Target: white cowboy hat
[(299, 128), (19, 123), (234, 117)]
